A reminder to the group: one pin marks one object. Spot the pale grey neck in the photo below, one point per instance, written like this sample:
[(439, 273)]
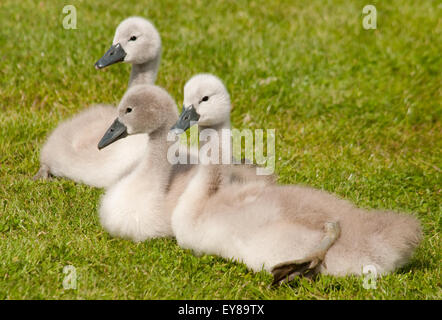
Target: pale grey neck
[(145, 73), (203, 185), (155, 166), (219, 128), (212, 174)]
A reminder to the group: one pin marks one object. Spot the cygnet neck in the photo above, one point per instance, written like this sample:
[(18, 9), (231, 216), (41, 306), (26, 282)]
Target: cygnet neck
[(145, 73), (224, 144), (155, 165)]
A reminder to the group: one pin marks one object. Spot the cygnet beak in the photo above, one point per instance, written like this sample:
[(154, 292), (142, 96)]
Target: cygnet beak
[(188, 118), (115, 132), (115, 54)]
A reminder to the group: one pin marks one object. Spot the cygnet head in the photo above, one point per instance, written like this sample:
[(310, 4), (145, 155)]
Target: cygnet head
[(136, 41), (143, 109), (206, 101)]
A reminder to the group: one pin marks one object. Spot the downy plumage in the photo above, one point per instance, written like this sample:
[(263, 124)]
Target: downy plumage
[(139, 206), (288, 230), (71, 149)]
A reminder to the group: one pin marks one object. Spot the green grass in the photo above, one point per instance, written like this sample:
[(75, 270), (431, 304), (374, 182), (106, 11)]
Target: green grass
[(357, 112)]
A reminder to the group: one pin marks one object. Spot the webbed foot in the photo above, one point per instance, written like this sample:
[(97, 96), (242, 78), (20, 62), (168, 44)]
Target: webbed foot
[(288, 271), (307, 267), (43, 173)]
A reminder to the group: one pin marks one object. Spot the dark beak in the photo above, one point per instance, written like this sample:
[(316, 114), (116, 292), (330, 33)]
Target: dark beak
[(115, 54), (188, 118), (116, 132)]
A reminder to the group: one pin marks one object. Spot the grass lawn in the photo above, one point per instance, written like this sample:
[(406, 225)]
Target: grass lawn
[(356, 112)]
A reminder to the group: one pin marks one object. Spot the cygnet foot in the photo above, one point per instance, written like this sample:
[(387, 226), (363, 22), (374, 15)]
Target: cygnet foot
[(307, 267), (43, 173)]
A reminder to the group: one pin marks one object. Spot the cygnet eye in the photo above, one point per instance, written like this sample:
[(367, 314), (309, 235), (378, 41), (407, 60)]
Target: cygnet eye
[(133, 38), (205, 98), (128, 110)]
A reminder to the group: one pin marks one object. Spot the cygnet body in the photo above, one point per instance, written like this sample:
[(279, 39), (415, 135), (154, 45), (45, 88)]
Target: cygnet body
[(288, 230)]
